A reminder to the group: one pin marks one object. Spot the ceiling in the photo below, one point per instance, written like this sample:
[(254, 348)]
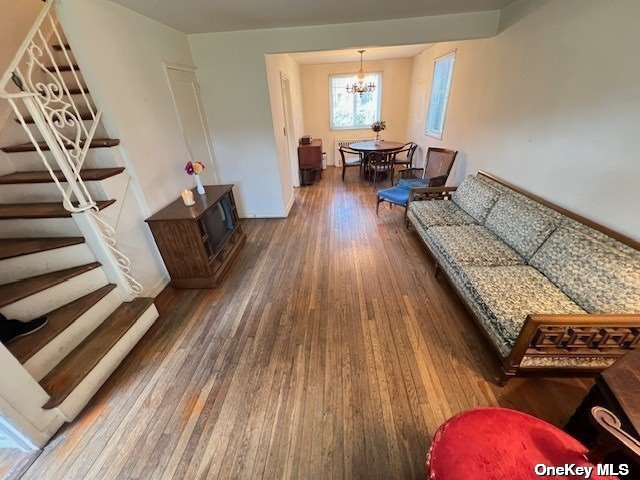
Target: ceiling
[(352, 55), (202, 16)]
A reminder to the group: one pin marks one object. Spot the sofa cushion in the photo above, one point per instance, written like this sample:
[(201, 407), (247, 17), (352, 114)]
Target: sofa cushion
[(522, 226), (472, 245), (529, 202), (475, 197), (508, 294), (431, 213), (602, 276)]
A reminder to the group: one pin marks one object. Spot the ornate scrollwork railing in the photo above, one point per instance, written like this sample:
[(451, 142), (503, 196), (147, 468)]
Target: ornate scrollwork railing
[(51, 95), (108, 235)]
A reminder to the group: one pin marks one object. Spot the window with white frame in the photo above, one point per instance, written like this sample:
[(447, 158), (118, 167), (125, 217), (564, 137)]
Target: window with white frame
[(440, 87), (353, 110)]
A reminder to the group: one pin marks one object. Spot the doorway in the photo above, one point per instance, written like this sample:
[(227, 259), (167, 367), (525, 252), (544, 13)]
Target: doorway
[(192, 118), (289, 134)]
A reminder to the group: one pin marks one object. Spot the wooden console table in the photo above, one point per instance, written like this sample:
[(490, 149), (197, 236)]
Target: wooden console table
[(199, 243)]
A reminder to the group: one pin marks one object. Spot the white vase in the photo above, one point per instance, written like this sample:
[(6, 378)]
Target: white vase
[(199, 186)]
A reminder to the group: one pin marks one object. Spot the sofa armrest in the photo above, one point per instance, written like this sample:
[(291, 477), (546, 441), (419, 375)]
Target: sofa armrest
[(431, 193), (566, 335)]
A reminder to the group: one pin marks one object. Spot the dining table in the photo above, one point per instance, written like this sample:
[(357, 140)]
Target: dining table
[(369, 146)]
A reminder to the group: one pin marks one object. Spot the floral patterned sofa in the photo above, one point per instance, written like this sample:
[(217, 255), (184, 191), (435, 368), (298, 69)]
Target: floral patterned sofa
[(554, 293)]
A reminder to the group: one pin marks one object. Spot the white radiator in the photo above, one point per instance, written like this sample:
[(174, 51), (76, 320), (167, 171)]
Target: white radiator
[(344, 142)]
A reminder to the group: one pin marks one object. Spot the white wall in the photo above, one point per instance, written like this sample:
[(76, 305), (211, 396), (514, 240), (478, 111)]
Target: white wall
[(396, 81), (287, 162), (22, 14), (121, 53), (234, 83), (551, 104)]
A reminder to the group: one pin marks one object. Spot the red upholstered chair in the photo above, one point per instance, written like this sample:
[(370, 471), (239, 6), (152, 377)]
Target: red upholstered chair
[(502, 444)]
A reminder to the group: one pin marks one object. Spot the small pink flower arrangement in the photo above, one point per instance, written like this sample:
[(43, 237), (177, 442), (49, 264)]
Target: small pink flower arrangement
[(194, 168)]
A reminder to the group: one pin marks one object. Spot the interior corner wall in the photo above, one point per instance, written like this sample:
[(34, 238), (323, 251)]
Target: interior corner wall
[(551, 104), (233, 77), (120, 54), (396, 82), (287, 161)]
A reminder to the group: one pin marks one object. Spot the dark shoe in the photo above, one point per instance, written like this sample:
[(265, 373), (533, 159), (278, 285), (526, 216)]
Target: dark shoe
[(12, 329)]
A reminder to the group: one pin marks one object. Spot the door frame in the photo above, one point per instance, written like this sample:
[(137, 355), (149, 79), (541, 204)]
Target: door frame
[(288, 123), (211, 145)]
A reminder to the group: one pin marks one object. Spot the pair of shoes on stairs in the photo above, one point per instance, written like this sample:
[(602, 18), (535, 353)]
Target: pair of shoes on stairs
[(12, 329)]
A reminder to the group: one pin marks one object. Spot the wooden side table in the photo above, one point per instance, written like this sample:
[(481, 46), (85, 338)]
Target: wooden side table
[(617, 389)]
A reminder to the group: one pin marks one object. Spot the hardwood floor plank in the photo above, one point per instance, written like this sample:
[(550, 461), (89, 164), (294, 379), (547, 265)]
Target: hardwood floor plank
[(330, 350)]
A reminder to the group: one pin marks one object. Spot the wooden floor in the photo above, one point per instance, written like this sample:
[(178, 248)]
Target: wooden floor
[(329, 351)]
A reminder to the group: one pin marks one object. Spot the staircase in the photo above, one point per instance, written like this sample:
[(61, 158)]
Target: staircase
[(58, 254)]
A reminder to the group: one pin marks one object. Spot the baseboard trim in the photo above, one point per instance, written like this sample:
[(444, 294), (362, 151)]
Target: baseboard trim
[(261, 215), (158, 287), (290, 206), (284, 214)]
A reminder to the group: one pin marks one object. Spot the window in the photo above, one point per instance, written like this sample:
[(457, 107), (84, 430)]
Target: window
[(440, 86), (352, 110)]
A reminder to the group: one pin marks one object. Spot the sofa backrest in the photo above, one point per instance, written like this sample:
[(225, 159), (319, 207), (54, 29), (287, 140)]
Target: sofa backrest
[(522, 225), (475, 197), (597, 272)]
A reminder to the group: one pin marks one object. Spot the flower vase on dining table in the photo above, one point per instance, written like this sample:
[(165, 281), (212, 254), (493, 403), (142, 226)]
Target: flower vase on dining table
[(378, 127)]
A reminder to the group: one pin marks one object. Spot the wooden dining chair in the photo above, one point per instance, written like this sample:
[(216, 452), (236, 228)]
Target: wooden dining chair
[(380, 163), (348, 160), (405, 156)]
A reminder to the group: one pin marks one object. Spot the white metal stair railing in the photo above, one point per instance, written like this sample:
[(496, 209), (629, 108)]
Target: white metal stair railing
[(47, 96)]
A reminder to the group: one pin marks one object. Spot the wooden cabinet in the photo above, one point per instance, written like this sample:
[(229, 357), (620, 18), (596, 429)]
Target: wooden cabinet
[(199, 243), (310, 156)]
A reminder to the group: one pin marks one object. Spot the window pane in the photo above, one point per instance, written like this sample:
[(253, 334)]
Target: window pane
[(352, 110), (342, 103), (440, 86)]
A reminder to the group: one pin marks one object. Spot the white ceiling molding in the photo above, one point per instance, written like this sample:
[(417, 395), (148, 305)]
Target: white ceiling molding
[(206, 16), (373, 54)]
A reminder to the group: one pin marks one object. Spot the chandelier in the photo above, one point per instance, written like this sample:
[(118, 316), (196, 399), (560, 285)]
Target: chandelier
[(360, 87)]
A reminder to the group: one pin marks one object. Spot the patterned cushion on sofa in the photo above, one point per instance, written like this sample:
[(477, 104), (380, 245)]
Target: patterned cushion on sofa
[(522, 226), (509, 294), (529, 202), (432, 213), (599, 274), (475, 197), (472, 245)]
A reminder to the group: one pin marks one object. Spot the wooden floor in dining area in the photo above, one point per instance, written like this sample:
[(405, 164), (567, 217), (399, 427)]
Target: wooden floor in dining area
[(329, 351)]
